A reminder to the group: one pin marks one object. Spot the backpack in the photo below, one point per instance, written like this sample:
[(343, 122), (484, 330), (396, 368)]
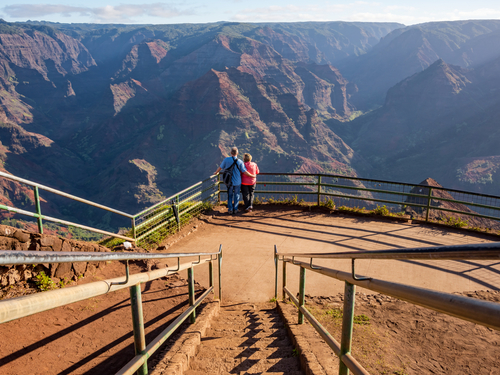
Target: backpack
[(227, 174)]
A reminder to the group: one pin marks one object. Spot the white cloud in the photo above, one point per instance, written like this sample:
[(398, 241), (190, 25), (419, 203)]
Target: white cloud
[(311, 12), (392, 8), (40, 10), (108, 13), (481, 13), (386, 17)]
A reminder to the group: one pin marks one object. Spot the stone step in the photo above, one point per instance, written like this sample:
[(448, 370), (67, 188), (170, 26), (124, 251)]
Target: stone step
[(255, 333), (242, 342), (193, 372), (251, 352), (245, 325), (248, 317), (244, 365)]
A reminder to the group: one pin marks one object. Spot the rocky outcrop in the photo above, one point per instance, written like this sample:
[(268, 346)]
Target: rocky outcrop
[(446, 216), (17, 239)]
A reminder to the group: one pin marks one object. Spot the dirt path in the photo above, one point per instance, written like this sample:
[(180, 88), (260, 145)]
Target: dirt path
[(248, 244), (92, 336)]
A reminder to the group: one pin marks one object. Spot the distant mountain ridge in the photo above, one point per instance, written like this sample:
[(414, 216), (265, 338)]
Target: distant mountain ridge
[(409, 50), (128, 114)]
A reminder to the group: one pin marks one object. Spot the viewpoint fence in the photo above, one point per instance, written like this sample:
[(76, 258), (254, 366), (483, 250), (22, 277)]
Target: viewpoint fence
[(420, 201), (20, 307), (343, 192), (470, 309)]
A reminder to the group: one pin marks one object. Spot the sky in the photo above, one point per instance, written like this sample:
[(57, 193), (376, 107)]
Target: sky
[(196, 11)]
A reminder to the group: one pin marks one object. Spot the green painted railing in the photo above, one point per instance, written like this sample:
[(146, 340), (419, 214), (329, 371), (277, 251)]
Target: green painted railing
[(470, 309), (398, 197), (171, 214), (167, 216)]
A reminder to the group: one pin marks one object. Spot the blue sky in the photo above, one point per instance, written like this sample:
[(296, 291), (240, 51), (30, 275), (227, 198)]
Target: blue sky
[(194, 11)]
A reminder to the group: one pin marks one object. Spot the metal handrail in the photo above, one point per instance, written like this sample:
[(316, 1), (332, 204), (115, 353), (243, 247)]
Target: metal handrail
[(172, 197), (62, 194), (427, 203), (470, 309), (40, 218), (488, 250), (16, 257), (377, 181), (20, 307)]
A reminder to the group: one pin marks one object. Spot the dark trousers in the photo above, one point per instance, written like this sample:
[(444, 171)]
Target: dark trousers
[(248, 194)]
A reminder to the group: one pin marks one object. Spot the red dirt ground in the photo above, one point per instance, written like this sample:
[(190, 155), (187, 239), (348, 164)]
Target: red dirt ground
[(92, 336)]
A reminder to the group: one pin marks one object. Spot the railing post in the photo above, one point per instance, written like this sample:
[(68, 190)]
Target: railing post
[(191, 293), (284, 280), (429, 200), (178, 213), (211, 273), (220, 273), (319, 190), (347, 325), (302, 292), (134, 232), (38, 209), (218, 188), (275, 273), (138, 324)]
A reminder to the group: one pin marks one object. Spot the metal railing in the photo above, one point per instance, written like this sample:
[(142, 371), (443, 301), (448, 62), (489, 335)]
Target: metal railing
[(20, 307), (171, 214), (167, 216), (40, 217), (354, 192), (470, 309)]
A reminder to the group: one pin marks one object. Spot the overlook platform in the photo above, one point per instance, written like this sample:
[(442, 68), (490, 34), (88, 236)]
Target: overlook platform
[(248, 241)]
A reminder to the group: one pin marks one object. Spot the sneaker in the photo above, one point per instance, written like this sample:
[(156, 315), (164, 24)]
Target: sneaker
[(234, 212), (250, 208)]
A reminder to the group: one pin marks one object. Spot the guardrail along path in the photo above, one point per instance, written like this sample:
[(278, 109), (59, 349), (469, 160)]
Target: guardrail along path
[(246, 339)]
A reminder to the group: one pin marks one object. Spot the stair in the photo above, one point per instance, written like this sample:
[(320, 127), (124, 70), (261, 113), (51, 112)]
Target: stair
[(246, 339)]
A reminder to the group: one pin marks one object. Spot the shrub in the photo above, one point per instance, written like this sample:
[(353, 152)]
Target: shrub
[(382, 211), (44, 282), (456, 222)]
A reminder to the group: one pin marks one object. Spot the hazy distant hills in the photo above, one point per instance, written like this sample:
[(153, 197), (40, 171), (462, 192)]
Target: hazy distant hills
[(409, 50), (126, 115)]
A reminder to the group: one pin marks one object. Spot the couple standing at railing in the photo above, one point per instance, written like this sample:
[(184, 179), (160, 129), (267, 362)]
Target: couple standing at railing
[(239, 175)]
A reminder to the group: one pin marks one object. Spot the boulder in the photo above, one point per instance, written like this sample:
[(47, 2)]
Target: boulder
[(21, 236), (54, 242), (66, 246), (64, 270), (79, 268)]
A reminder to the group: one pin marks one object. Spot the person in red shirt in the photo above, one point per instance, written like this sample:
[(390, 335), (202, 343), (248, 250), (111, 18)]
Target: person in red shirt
[(248, 183)]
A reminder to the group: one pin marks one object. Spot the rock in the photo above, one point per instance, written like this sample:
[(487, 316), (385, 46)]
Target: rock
[(11, 277), (85, 247), (91, 268), (80, 268), (21, 236), (7, 243), (64, 270), (66, 246), (54, 242), (6, 231)]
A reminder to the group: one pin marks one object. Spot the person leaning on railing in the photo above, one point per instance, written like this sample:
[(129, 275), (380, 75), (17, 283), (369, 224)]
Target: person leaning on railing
[(233, 191), (248, 183)]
